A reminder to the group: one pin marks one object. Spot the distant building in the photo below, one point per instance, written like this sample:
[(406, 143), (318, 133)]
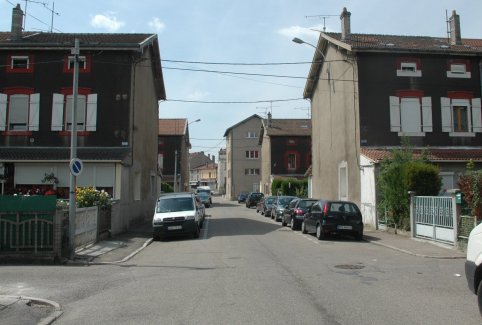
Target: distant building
[(203, 170), (222, 172)]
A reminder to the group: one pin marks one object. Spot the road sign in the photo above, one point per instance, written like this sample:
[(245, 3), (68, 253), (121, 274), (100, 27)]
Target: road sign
[(76, 166)]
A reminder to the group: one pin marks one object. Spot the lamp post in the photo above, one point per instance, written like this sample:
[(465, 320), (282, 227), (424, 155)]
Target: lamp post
[(300, 41)]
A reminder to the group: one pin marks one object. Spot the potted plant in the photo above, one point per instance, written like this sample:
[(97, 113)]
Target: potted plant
[(50, 179)]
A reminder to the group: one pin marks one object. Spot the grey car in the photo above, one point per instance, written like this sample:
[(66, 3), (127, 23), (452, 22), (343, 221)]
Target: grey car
[(279, 205)]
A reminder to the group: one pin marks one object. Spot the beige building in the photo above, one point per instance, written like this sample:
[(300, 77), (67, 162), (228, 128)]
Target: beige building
[(243, 157)]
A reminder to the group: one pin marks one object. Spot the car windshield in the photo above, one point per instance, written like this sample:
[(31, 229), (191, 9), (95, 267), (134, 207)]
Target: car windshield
[(174, 204), (306, 204), (256, 195), (203, 195)]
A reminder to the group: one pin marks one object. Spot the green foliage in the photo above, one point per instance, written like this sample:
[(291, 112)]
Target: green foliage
[(90, 196), (423, 178), (470, 185), (400, 174), (166, 188), (290, 186)]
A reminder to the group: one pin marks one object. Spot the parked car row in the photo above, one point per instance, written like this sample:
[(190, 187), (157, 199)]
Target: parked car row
[(320, 217)]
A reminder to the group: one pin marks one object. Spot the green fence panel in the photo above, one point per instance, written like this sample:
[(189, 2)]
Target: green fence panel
[(22, 203)]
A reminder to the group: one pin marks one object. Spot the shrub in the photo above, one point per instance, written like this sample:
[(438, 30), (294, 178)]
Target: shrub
[(90, 196), (290, 186), (470, 185), (423, 178), (166, 188)]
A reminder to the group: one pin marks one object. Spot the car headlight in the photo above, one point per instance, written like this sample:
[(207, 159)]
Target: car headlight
[(190, 217)]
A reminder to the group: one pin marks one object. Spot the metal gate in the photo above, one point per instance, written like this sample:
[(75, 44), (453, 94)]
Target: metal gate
[(434, 218)]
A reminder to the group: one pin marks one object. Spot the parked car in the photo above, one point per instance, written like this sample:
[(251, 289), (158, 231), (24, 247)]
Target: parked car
[(253, 199), (265, 207), (260, 204), (242, 197), (473, 263), (205, 190), (333, 217), (279, 205), (293, 215), (205, 199), (177, 213)]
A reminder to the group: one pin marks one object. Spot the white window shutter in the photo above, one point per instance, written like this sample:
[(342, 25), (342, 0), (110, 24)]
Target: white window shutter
[(446, 114), (91, 122), (476, 115), (57, 112), (427, 114), (33, 116), (394, 114), (3, 111)]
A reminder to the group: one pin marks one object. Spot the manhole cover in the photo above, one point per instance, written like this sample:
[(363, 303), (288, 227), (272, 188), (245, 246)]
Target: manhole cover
[(350, 266)]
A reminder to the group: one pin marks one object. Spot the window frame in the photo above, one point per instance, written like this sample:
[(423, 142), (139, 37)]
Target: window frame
[(87, 63), (33, 108), (59, 111), (412, 63), (29, 64), (251, 135), (473, 113), (397, 113), (252, 154), (452, 70)]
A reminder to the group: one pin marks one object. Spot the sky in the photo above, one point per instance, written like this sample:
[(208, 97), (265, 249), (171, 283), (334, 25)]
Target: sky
[(251, 39)]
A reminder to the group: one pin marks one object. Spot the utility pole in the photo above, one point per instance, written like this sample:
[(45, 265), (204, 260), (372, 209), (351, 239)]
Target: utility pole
[(73, 150), (175, 170)]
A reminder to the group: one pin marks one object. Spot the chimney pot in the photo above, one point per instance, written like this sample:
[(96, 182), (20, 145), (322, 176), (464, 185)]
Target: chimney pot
[(455, 33), (17, 22), (345, 23)]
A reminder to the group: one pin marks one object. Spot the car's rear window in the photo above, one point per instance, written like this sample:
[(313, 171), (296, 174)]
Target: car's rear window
[(256, 195), (270, 200), (343, 207), (175, 204), (285, 200), (306, 204)]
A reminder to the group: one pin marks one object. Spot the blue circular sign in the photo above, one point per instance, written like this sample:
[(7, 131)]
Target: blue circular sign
[(76, 166)]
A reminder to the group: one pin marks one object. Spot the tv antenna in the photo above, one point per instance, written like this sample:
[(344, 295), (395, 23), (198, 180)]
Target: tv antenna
[(324, 17), (52, 12), (306, 108), (267, 109)]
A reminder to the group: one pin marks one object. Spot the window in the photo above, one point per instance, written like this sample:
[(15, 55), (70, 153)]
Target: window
[(291, 161), (458, 69), (251, 171), (62, 108), (252, 154), (410, 113), (20, 63), (461, 116), (409, 67), (251, 134), (84, 64), (19, 110)]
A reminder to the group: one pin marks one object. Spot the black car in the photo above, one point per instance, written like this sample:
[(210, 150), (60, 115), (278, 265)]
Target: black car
[(253, 199), (279, 205), (333, 217), (242, 197), (293, 215)]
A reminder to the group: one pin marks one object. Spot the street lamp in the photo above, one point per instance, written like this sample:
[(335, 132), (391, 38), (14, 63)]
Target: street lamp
[(300, 41), (198, 120)]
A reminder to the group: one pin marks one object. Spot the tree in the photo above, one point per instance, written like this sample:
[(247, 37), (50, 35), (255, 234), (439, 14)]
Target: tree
[(470, 185)]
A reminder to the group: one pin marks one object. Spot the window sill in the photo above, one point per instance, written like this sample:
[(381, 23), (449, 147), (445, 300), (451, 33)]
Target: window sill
[(17, 133), (411, 134), (79, 133), (462, 134), (466, 75), (401, 73)]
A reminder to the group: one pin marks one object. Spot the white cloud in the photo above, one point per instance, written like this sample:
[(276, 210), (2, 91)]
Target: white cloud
[(108, 22), (298, 31), (198, 95), (156, 24)]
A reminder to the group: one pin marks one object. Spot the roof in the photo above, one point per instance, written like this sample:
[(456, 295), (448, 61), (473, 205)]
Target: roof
[(197, 159), (238, 124), (289, 127), (376, 155), (90, 41), (376, 43), (12, 154), (175, 126)]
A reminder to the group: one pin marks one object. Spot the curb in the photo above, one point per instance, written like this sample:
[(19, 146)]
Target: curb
[(415, 254), (128, 257), (38, 301)]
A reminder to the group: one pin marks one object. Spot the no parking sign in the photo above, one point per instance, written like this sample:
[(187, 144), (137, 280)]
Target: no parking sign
[(76, 166)]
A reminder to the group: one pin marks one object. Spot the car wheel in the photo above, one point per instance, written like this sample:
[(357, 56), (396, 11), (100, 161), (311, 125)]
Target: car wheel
[(303, 228), (156, 237), (283, 223), (292, 224), (479, 297), (196, 232), (359, 236), (319, 233)]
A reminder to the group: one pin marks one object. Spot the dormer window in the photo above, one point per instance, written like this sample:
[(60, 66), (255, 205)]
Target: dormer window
[(408, 67), (20, 64), (458, 69)]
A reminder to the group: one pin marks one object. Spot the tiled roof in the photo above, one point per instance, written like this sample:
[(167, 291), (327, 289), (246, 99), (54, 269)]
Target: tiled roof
[(290, 127), (197, 159), (433, 154), (8, 154), (41, 39), (175, 126), (396, 43)]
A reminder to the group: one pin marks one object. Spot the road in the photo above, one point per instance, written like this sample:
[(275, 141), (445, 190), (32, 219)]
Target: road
[(247, 269)]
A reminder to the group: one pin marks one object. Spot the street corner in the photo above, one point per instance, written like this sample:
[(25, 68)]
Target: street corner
[(28, 310)]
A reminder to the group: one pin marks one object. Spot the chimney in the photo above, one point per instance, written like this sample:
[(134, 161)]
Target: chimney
[(455, 35), (17, 22), (269, 119), (345, 23)]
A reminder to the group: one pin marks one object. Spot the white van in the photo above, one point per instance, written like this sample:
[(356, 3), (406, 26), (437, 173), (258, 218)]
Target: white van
[(473, 264)]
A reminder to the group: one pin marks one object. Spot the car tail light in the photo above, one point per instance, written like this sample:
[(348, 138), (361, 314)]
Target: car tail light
[(299, 212), (325, 208)]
